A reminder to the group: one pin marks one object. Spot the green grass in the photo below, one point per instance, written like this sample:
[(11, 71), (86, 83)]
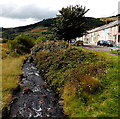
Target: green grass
[(9, 75), (105, 102), (11, 69), (87, 80)]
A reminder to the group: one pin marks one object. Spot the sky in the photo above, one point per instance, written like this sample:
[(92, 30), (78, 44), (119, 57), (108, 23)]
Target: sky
[(15, 13)]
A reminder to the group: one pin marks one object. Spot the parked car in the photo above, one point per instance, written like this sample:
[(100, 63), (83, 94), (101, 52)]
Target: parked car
[(110, 43), (102, 43), (115, 48), (79, 42)]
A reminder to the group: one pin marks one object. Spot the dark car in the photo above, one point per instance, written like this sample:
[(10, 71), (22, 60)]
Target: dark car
[(102, 43), (110, 43)]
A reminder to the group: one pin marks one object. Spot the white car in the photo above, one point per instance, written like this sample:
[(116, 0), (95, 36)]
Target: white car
[(115, 48)]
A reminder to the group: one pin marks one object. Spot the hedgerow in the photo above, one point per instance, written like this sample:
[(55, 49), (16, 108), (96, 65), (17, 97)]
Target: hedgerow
[(78, 76)]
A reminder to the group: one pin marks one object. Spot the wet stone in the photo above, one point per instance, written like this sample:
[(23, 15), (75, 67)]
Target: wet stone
[(35, 99), (15, 99)]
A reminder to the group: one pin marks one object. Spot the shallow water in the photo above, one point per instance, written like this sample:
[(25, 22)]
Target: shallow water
[(35, 98)]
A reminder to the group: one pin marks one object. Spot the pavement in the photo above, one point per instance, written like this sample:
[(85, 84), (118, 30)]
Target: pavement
[(97, 48)]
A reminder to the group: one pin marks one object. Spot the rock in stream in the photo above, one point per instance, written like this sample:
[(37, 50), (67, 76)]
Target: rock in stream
[(35, 99)]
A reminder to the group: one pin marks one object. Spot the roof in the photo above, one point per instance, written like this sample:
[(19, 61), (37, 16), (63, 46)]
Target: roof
[(111, 24)]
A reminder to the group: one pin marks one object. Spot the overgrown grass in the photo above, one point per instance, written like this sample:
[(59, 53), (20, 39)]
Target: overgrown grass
[(87, 80), (11, 69), (106, 102)]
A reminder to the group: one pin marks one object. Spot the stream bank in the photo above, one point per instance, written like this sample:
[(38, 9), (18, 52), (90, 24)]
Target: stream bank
[(35, 98)]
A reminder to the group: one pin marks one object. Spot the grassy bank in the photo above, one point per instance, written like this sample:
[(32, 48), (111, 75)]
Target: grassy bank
[(86, 80), (11, 69), (104, 103)]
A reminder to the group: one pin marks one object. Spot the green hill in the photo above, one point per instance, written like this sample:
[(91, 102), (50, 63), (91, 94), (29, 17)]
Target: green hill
[(43, 26), (10, 33), (110, 19)]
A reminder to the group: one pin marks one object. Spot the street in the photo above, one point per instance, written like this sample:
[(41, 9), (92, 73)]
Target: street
[(97, 48)]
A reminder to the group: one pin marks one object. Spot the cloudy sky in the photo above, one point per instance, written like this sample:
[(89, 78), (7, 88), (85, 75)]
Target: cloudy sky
[(22, 12)]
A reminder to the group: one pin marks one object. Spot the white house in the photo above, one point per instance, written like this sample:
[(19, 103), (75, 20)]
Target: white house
[(106, 32)]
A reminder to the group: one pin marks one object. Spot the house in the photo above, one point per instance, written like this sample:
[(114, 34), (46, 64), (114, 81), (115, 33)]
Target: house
[(106, 32)]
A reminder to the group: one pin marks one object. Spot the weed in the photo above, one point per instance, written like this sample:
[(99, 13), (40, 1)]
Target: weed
[(86, 80)]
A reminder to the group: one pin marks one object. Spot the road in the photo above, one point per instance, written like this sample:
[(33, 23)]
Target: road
[(97, 48)]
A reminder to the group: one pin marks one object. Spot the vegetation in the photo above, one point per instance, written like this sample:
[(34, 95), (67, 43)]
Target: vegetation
[(115, 52), (86, 81), (4, 40), (44, 27), (9, 74), (110, 19), (91, 23), (70, 23), (11, 70), (44, 38), (21, 44), (33, 30)]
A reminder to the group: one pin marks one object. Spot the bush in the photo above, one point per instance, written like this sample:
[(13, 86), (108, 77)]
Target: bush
[(79, 76), (4, 40), (40, 39), (21, 44)]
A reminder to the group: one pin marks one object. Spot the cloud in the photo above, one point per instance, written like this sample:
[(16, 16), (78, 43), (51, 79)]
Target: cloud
[(119, 7), (28, 11)]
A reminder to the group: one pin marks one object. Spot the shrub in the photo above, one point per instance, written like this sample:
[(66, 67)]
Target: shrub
[(4, 40), (21, 44), (55, 58), (40, 39), (79, 76)]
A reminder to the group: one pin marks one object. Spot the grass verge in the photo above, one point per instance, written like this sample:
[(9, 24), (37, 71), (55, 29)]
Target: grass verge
[(104, 103), (9, 75), (11, 69), (86, 80)]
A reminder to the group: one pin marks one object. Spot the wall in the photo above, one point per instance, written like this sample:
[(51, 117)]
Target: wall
[(103, 34)]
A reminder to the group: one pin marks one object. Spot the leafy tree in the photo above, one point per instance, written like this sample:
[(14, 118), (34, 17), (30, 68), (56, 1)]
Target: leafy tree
[(70, 23)]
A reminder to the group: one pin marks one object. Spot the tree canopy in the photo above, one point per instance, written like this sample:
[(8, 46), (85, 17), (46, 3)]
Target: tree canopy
[(69, 23)]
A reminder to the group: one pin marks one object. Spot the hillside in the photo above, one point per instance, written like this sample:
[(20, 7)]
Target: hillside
[(42, 27), (110, 19), (10, 33)]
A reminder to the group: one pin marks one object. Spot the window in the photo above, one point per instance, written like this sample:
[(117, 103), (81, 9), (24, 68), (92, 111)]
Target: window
[(119, 29), (119, 38)]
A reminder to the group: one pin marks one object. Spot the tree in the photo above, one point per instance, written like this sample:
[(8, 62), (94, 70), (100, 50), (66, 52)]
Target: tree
[(69, 23)]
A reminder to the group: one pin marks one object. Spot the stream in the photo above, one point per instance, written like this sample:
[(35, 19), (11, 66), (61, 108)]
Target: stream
[(35, 98)]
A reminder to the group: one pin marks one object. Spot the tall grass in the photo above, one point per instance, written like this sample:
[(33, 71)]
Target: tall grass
[(87, 80), (0, 76), (11, 69), (104, 103)]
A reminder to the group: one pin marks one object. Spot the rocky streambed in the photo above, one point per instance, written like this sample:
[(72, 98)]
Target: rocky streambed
[(35, 98)]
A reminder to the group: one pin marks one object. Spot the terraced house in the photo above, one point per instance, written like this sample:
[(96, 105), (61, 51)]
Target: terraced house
[(106, 32)]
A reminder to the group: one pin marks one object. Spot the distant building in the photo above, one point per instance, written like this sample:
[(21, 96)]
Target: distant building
[(106, 32)]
